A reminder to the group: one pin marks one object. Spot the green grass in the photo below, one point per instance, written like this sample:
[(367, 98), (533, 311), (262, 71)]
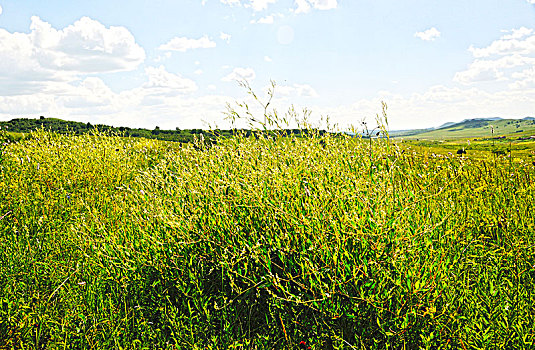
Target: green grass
[(515, 150), (510, 128), (262, 243)]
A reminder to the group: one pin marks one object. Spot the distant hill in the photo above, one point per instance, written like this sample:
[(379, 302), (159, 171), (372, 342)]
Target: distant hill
[(475, 128)]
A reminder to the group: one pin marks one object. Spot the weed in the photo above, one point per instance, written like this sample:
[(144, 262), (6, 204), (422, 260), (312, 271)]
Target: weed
[(274, 241)]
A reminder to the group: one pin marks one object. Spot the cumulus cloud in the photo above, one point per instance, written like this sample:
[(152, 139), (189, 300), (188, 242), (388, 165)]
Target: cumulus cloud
[(264, 20), (520, 41), (491, 70), (256, 5), (304, 6), (259, 5), (184, 44), (231, 2), (324, 4), (433, 106), (428, 35), (301, 90), (523, 79), (508, 58), (479, 71), (517, 33), (164, 99), (240, 74), (92, 92), (87, 46), (0, 10), (47, 57), (160, 79)]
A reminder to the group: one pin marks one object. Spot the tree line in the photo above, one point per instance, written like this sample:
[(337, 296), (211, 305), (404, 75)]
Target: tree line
[(27, 125)]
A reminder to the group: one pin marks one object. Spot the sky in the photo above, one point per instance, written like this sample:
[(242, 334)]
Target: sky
[(176, 63)]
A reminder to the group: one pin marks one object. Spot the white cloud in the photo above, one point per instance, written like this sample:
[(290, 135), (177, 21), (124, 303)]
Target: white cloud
[(259, 5), (428, 35), (324, 4), (0, 10), (92, 92), (492, 70), (301, 90), (531, 1), (86, 46), (256, 5), (479, 71), (268, 59), (163, 100), (509, 58), (225, 37), (524, 79), (183, 44), (433, 107), (231, 2), (160, 79), (518, 33), (304, 6), (264, 20), (46, 57), (198, 72), (212, 87), (240, 74), (521, 41), (163, 57)]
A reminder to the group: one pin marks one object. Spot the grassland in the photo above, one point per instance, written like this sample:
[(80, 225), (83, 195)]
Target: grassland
[(477, 128), (263, 243)]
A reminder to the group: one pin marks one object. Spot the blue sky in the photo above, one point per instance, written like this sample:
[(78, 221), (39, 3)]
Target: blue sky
[(174, 64)]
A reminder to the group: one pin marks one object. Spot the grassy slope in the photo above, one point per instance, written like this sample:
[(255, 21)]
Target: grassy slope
[(480, 129), (113, 243)]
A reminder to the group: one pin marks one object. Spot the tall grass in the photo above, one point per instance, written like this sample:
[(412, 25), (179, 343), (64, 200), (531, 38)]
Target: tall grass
[(265, 242)]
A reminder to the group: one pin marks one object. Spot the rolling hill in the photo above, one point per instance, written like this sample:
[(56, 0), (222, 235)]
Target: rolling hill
[(474, 128)]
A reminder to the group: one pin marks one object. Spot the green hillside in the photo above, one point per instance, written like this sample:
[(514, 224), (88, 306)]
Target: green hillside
[(19, 126), (478, 128)]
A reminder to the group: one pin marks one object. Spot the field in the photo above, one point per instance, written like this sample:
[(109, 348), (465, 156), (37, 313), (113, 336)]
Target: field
[(267, 242), (478, 128)]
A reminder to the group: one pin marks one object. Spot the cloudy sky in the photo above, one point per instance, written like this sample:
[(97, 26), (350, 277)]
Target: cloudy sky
[(172, 63)]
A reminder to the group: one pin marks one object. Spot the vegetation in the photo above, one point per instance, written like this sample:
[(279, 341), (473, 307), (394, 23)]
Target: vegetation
[(24, 126), (19, 128), (516, 129), (276, 241)]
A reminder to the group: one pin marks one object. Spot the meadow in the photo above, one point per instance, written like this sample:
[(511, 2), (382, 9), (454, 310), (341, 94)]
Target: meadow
[(322, 241)]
